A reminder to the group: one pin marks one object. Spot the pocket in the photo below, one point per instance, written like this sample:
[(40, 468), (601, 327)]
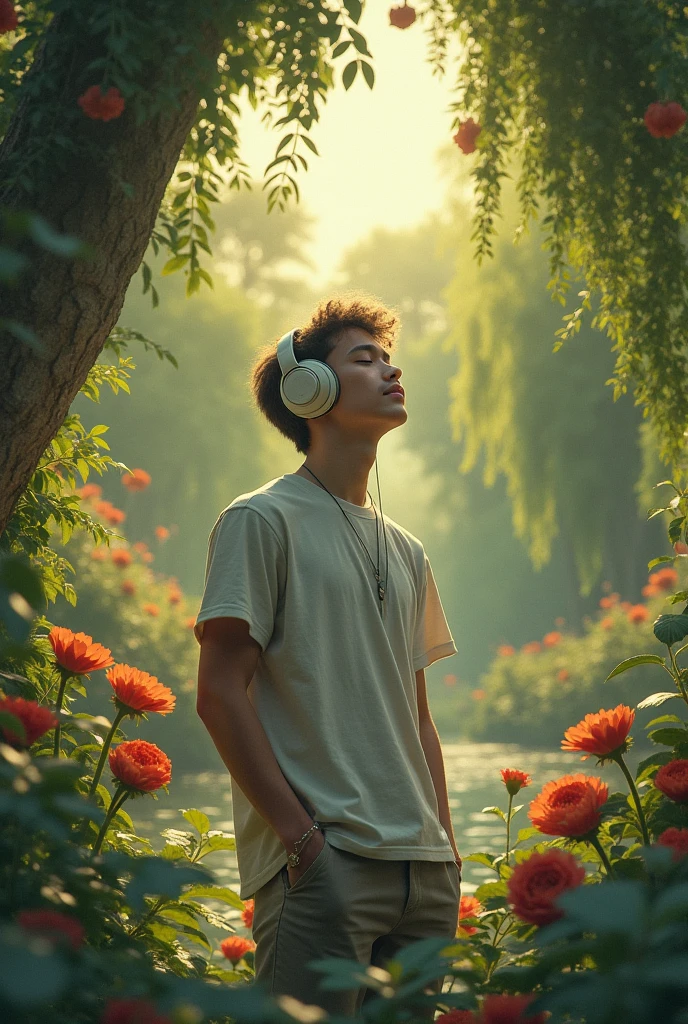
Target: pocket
[(310, 871)]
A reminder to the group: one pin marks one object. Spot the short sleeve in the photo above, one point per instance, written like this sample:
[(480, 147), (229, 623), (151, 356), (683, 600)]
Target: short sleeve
[(432, 638), (245, 573)]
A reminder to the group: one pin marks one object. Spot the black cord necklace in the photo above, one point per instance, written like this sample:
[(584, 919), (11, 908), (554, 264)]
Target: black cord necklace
[(381, 589)]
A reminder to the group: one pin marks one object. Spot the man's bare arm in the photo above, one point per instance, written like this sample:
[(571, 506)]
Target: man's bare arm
[(432, 748), (228, 660)]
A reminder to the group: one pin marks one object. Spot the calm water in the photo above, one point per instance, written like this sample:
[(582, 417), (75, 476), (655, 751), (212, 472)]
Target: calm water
[(473, 781)]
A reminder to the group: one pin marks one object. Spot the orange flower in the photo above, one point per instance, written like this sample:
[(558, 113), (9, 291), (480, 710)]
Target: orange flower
[(53, 925), (664, 579), (563, 674), (37, 719), (515, 780), (609, 601), (532, 647), (603, 734), (450, 679), (626, 605), (551, 639), (140, 547), (148, 556), (505, 650), (469, 906), (535, 884), (650, 591), (190, 622), (133, 1011), (402, 17), (247, 912), (137, 480), (637, 613), (468, 132), (680, 548), (138, 691), (607, 623), (478, 694), (569, 806), (161, 532), (672, 780), (98, 555), (677, 840), (510, 1010), (235, 947), (77, 653), (175, 595), (128, 587), (151, 609), (89, 491), (114, 516), (140, 765), (121, 557)]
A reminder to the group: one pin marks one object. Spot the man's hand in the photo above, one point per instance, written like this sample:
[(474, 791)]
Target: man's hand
[(307, 856)]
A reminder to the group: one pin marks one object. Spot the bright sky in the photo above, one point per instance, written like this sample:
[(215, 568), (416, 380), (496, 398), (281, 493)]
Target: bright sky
[(377, 147)]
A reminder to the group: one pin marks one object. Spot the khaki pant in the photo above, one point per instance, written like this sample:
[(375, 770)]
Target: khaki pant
[(350, 907)]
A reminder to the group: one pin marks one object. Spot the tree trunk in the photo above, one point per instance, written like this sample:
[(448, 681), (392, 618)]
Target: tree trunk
[(72, 305)]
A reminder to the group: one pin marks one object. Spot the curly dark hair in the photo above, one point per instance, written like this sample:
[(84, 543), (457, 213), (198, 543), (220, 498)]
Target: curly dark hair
[(315, 340)]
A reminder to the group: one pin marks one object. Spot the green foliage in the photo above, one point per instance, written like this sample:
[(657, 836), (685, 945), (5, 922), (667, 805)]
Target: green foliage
[(565, 87)]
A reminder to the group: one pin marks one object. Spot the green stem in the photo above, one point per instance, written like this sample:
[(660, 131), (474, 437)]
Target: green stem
[(508, 828), (601, 854), (636, 797), (103, 754), (64, 676), (117, 801), (159, 903), (677, 674)]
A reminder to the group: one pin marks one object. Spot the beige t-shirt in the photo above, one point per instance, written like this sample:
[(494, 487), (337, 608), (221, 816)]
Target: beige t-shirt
[(335, 686)]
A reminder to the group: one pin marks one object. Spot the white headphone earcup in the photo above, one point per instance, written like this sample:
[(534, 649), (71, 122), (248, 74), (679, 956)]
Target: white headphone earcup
[(310, 389)]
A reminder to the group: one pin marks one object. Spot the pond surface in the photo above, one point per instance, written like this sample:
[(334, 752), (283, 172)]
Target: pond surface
[(473, 782)]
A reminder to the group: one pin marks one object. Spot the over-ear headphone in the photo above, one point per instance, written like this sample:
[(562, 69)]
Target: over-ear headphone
[(308, 388)]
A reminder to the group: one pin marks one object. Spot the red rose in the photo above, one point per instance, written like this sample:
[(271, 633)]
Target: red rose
[(53, 925), (676, 839), (101, 107), (37, 719), (672, 780), (535, 884), (468, 132), (8, 17), (235, 947), (509, 1010), (663, 120), (402, 17)]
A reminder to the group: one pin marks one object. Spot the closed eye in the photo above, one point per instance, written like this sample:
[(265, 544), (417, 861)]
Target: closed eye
[(369, 361)]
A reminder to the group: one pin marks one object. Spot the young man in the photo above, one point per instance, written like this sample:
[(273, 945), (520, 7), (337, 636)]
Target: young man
[(318, 619)]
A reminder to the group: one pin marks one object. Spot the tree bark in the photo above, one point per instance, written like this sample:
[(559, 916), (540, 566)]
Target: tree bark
[(72, 305)]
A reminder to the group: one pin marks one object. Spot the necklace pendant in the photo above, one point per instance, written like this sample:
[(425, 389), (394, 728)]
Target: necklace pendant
[(381, 591)]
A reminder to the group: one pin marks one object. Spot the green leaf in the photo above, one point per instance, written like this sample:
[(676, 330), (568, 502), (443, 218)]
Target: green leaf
[(669, 737), (639, 659), (655, 699), (341, 48), (199, 820), (176, 263), (349, 73), (662, 558), (354, 7), (669, 629), (368, 73), (527, 833), (359, 42), (216, 892), (481, 858), (497, 811)]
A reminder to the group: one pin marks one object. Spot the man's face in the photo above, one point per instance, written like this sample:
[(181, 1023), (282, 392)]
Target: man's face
[(365, 374)]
